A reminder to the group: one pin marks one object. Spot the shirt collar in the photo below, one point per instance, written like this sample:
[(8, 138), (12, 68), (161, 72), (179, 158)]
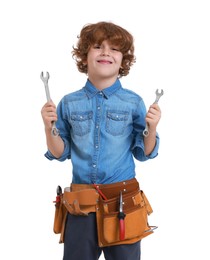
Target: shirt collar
[(91, 90)]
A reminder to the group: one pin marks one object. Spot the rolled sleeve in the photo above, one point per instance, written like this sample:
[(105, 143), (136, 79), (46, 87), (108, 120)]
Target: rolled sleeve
[(138, 149), (66, 153)]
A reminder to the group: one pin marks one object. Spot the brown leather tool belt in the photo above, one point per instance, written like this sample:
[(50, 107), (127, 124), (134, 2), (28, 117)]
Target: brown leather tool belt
[(81, 199)]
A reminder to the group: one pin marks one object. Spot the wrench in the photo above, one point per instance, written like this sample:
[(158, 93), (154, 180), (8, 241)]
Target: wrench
[(158, 95), (45, 79)]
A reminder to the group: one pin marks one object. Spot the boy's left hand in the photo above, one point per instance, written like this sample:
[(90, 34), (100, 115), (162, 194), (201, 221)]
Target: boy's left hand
[(153, 117)]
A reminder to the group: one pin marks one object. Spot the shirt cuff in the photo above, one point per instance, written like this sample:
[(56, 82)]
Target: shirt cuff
[(66, 154), (154, 153), (138, 149)]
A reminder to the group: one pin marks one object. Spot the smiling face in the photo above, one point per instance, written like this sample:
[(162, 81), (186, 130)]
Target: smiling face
[(94, 38), (104, 61)]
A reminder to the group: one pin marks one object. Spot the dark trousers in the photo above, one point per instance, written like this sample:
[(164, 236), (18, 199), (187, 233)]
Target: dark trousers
[(80, 242)]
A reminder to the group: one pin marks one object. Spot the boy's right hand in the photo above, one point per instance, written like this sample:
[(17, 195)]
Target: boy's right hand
[(49, 114)]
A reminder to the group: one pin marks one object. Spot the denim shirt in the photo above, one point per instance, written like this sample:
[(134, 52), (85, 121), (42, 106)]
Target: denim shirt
[(102, 133)]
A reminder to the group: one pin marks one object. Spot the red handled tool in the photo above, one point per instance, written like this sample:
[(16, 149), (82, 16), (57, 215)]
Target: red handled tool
[(121, 217), (99, 191), (59, 193)]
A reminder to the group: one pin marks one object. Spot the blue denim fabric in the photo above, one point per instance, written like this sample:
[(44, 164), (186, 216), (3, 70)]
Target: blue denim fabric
[(102, 132)]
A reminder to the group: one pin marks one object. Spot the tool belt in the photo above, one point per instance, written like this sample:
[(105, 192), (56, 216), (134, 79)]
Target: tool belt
[(81, 199)]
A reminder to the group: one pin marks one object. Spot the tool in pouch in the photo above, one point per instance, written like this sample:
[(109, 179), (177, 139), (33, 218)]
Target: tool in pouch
[(58, 197), (121, 217), (60, 212), (158, 95), (121, 214), (45, 79), (99, 191)]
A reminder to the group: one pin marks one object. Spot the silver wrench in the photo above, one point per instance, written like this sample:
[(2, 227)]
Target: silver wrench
[(45, 79), (158, 95)]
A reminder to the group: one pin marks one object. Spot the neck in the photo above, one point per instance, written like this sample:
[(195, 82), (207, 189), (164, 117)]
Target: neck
[(102, 83)]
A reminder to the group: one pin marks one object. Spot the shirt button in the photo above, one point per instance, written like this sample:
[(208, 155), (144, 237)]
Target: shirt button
[(99, 108), (96, 126), (94, 165), (96, 146)]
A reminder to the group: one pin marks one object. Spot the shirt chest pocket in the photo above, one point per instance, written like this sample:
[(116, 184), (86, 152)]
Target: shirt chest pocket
[(81, 122), (116, 122)]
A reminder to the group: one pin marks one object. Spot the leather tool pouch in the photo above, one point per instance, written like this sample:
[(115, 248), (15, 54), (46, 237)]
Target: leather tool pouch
[(136, 207), (79, 202), (60, 217)]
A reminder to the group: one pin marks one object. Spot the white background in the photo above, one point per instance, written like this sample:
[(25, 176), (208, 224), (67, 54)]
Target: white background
[(172, 40)]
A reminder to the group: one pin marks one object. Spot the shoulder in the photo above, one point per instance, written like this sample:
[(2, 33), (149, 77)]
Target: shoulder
[(129, 95), (73, 96)]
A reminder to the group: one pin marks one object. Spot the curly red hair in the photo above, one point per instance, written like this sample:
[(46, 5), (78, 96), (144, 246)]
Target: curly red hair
[(97, 33)]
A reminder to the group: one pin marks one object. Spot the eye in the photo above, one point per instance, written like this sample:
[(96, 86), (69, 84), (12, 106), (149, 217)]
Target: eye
[(96, 46), (114, 48)]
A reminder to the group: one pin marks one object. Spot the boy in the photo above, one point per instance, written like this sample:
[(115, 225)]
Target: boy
[(101, 130)]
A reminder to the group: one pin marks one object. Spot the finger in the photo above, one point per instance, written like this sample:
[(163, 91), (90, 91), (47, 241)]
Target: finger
[(49, 104), (48, 120), (155, 106), (48, 108), (154, 111), (154, 116)]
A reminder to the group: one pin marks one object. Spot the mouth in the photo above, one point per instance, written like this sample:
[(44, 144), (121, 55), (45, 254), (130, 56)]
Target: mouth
[(104, 62)]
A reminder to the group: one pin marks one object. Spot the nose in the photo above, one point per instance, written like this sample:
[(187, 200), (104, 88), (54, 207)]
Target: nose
[(105, 51)]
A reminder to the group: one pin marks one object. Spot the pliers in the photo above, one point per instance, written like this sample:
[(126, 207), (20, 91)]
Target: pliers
[(58, 197), (121, 217)]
